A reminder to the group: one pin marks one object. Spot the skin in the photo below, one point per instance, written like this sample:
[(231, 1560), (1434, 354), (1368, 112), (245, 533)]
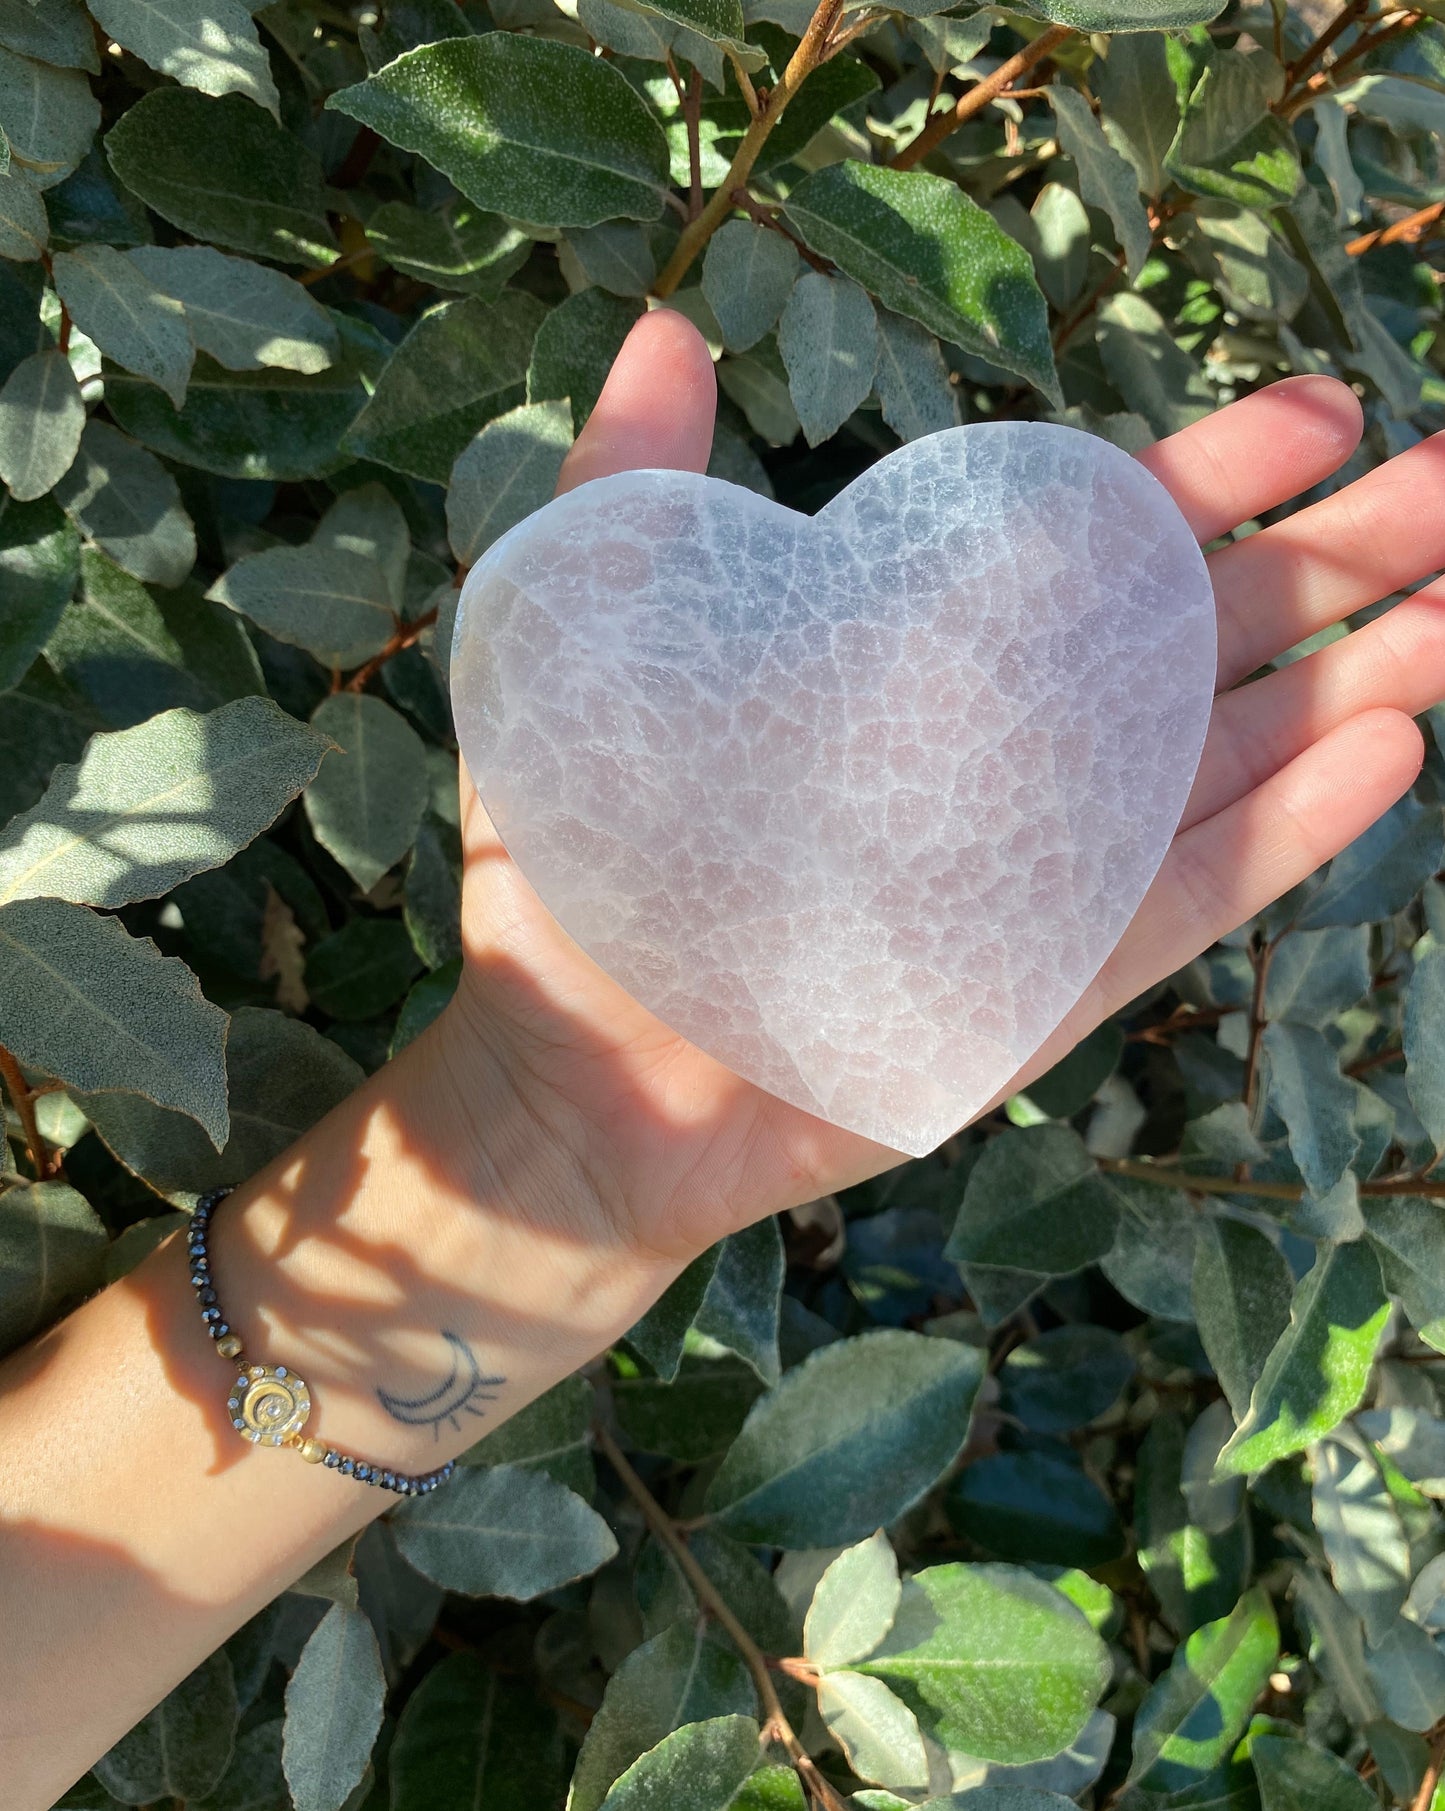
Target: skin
[(532, 1172)]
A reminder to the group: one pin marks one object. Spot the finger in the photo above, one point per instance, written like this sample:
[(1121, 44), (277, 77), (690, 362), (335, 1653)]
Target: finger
[(1396, 663), (1381, 534), (1257, 453), (656, 408)]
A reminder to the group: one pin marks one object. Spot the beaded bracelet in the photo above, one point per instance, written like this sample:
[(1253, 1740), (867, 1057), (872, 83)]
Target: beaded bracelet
[(269, 1404)]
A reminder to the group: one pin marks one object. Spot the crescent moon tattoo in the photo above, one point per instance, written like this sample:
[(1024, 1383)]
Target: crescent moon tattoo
[(459, 1394)]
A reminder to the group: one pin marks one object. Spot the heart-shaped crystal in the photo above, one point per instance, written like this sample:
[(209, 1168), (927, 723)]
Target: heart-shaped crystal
[(858, 803)]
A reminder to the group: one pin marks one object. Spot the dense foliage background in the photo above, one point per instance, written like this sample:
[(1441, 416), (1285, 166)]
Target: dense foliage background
[(1097, 1455)]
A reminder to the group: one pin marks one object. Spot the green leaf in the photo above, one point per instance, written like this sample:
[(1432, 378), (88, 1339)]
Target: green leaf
[(1315, 975), (694, 1417), (254, 1781), (828, 339), (747, 273), (332, 601), (912, 379), (1380, 872), (24, 227), (333, 1710), (131, 654), (216, 51), (1037, 1504), (59, 32), (1408, 1237), (148, 807), (271, 424), (470, 1736), (1407, 1670), (360, 970), (701, 1767), (719, 21), (224, 172), (502, 1532), (1193, 1714), (1151, 1262), (432, 909), (484, 111), (660, 1334), (919, 245), (509, 470), (52, 1251), (42, 721), (48, 116), (1424, 1060), (366, 803), (1123, 15), (758, 384), (457, 247), (1147, 367), (887, 1412), (126, 501), (575, 347), (1364, 1539), (1317, 1371), (1229, 144), (552, 1434), (458, 368), (1061, 239), (281, 1077), (1035, 1200), (992, 1661), (1065, 1378), (1315, 1101), (1413, 1440), (1140, 106), (1197, 1573), (39, 564), (131, 321), (617, 256), (1294, 1775), (744, 1292), (183, 1746), (244, 315), (683, 1676), (1242, 1288), (85, 1002), (1251, 267), (1106, 180), (854, 1604), (877, 1731), (41, 417)]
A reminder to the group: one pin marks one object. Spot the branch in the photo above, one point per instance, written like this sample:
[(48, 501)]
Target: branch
[(405, 635), (745, 85), (1407, 231), (938, 127), (1306, 61), (21, 1093), (708, 1595), (1425, 1797), (1261, 961), (695, 235), (1163, 1177)]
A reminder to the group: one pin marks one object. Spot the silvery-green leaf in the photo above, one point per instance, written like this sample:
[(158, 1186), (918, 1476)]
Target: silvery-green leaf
[(1241, 1291), (747, 273), (1364, 1539), (148, 807), (1035, 1200), (215, 49), (876, 1730), (129, 505), (854, 1604), (39, 564), (334, 603), (700, 1767), (1151, 1262), (740, 1308), (501, 1531), (243, 314), (1380, 872), (458, 247), (510, 469), (368, 520), (41, 418), (48, 116), (333, 1711), (1064, 1378), (552, 1434), (1213, 1502), (224, 171), (52, 1250), (471, 1736), (1061, 242), (482, 111), (1315, 975), (912, 378), (366, 803), (1147, 367), (82, 1000), (1140, 105), (886, 1411), (1294, 1775), (1424, 1062), (1413, 1439), (1315, 1101), (617, 256), (182, 1747), (58, 32), (1105, 179), (828, 339), (758, 384), (1253, 268), (1332, 154), (1229, 143), (133, 322), (24, 227), (575, 347), (1337, 1644)]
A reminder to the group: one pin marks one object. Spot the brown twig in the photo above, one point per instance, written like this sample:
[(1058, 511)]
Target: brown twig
[(45, 1163), (775, 1722), (1425, 1797), (1312, 54), (1407, 231), (940, 125), (1070, 324), (406, 634), (1162, 1176), (692, 113), (801, 64), (745, 85), (1293, 102), (768, 217), (1261, 959)]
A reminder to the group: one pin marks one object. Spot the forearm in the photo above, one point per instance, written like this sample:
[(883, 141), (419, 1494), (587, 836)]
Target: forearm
[(138, 1530)]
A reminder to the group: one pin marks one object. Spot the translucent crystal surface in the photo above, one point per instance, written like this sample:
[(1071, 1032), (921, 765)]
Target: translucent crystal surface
[(858, 803)]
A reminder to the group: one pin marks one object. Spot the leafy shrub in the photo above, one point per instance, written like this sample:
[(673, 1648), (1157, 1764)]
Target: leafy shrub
[(284, 299)]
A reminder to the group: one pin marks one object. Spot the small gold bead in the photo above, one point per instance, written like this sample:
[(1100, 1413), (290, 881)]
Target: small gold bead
[(313, 1451), (230, 1346)]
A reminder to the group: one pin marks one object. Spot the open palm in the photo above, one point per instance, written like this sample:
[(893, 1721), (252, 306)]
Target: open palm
[(1296, 764)]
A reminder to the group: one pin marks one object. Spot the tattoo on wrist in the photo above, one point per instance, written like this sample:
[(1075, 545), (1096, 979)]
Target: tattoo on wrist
[(459, 1394)]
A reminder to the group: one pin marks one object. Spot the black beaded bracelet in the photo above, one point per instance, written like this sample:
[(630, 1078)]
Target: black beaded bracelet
[(268, 1404)]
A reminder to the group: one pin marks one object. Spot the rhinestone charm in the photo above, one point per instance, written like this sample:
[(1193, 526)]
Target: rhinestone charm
[(271, 1405)]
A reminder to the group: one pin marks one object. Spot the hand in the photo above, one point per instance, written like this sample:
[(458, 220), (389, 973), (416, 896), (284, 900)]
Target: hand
[(1295, 766)]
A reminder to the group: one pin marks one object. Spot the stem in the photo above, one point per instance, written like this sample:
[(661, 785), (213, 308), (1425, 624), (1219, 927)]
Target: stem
[(1412, 227), (710, 1598), (406, 634), (1425, 1797), (801, 65), (1164, 1177), (1071, 323), (1262, 960), (745, 86), (692, 113), (768, 217), (1307, 60), (20, 1093), (936, 129)]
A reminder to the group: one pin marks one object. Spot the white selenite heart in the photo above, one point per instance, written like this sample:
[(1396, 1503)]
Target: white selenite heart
[(858, 803)]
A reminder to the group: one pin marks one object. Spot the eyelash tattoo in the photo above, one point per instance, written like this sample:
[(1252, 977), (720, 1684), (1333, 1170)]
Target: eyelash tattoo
[(460, 1393)]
